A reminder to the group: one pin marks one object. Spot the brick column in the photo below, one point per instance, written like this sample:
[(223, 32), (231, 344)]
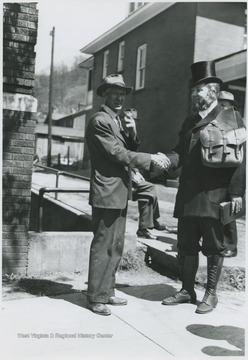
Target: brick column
[(19, 119)]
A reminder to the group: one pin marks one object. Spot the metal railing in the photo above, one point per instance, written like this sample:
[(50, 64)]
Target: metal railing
[(59, 172), (44, 190), (56, 190)]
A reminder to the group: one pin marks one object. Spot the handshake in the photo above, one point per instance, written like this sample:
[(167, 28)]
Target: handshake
[(160, 162)]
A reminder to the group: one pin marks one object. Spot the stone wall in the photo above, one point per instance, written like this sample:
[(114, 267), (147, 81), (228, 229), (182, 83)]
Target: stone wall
[(20, 23)]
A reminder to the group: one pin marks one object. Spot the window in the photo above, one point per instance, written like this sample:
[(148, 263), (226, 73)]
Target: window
[(89, 99), (105, 63), (140, 67), (120, 65), (133, 6), (90, 80)]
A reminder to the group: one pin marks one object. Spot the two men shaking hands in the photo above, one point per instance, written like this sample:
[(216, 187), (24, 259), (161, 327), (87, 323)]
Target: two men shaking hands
[(159, 161)]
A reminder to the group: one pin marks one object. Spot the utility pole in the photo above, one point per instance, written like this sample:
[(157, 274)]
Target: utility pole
[(49, 143)]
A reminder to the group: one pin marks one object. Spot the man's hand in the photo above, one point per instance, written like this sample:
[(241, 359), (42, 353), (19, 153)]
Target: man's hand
[(160, 162), (236, 204), (166, 160), (129, 124), (137, 177)]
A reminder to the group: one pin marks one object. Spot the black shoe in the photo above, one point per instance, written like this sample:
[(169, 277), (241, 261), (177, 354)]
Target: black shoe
[(181, 297), (208, 303), (145, 234), (230, 253), (158, 225)]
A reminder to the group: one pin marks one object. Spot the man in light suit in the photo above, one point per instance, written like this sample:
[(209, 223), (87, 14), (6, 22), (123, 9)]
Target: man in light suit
[(200, 192), (112, 154)]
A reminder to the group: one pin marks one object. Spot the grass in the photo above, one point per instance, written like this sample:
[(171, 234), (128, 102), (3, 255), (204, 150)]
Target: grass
[(133, 270), (230, 279)]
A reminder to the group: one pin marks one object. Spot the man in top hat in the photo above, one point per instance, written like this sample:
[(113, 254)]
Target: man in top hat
[(200, 192), (112, 154)]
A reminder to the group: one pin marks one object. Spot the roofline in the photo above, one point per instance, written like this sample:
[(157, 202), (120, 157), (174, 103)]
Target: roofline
[(72, 133), (232, 67), (230, 55), (136, 19), (73, 115)]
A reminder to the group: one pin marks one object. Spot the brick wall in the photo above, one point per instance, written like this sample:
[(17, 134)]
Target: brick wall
[(20, 24)]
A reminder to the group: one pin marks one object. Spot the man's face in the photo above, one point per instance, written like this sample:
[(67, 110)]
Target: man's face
[(225, 104), (115, 98), (202, 97)]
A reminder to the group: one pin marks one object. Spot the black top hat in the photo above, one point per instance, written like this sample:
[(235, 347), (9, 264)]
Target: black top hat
[(204, 71), (113, 80)]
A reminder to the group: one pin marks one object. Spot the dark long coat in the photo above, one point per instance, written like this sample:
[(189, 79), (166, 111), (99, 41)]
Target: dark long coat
[(111, 152), (201, 189)]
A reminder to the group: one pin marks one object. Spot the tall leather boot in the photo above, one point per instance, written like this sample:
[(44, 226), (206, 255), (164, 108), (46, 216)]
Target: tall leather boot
[(188, 269), (210, 299)]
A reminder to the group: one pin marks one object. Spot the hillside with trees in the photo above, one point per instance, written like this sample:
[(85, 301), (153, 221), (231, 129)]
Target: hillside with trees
[(69, 89)]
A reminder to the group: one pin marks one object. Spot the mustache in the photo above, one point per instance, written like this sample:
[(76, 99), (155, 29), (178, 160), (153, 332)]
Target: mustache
[(197, 98)]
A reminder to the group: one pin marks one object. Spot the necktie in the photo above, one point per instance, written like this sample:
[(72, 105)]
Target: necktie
[(118, 122)]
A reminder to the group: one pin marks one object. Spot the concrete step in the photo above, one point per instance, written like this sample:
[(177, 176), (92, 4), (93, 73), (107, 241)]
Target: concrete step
[(61, 252)]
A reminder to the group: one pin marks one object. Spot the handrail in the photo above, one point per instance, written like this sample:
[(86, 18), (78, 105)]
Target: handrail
[(64, 173), (46, 167), (44, 190)]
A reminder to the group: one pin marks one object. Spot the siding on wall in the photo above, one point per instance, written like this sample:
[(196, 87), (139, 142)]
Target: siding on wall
[(232, 12), (170, 51), (19, 119), (215, 39)]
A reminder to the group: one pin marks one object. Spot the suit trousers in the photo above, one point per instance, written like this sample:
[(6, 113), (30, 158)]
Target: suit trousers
[(145, 193), (105, 252)]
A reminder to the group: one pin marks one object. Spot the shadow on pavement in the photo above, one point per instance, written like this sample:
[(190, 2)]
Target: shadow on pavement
[(54, 290), (78, 298), (147, 292), (155, 292), (42, 287), (233, 335)]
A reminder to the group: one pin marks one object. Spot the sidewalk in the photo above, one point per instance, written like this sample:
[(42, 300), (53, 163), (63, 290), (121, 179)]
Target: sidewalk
[(63, 328)]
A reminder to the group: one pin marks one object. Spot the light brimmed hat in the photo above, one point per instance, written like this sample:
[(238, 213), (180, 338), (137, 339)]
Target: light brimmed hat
[(113, 80), (226, 95), (204, 71)]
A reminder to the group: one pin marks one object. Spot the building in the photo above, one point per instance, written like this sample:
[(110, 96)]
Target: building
[(153, 47), (67, 140)]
